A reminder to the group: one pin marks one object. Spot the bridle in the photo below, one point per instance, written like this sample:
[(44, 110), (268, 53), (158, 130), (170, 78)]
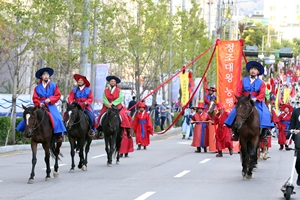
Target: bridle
[(74, 123), (35, 126), (245, 118), (114, 113)]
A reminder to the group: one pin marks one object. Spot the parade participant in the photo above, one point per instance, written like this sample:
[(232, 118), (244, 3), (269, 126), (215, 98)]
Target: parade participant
[(209, 97), (201, 137), (46, 94), (163, 110), (295, 125), (283, 125), (142, 126), (255, 87), (223, 135), (186, 123), (83, 95), (113, 96), (127, 142), (193, 111)]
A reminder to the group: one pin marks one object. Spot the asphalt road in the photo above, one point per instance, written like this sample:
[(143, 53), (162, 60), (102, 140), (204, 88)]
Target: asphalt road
[(168, 169)]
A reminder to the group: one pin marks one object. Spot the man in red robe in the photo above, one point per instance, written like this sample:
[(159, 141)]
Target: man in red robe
[(142, 126), (201, 133), (283, 125), (223, 133), (113, 96), (127, 142)]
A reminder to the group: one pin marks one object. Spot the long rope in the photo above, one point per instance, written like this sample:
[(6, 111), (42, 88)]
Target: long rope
[(193, 94), (168, 80)]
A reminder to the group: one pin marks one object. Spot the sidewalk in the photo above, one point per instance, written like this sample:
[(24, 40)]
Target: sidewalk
[(11, 148)]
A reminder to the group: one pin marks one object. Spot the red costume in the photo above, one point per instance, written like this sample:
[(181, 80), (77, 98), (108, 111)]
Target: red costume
[(223, 133), (142, 126), (284, 122), (127, 143), (200, 138)]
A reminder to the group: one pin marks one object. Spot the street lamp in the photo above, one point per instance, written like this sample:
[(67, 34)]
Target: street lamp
[(263, 42)]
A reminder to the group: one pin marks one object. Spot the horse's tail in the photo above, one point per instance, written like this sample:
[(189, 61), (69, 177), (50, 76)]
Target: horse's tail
[(54, 149)]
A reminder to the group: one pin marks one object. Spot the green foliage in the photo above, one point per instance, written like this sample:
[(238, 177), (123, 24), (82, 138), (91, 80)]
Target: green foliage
[(5, 124)]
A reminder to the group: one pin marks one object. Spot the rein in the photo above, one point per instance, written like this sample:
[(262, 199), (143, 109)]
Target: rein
[(74, 123), (36, 126), (245, 118)]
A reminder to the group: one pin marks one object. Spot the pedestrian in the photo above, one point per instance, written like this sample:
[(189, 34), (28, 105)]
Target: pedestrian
[(169, 115), (47, 94), (142, 126), (255, 87), (132, 106), (283, 125), (113, 96), (163, 114), (223, 133), (201, 132), (295, 125), (83, 95), (127, 142)]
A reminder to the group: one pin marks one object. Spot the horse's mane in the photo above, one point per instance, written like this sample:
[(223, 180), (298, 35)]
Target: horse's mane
[(243, 100), (74, 105)]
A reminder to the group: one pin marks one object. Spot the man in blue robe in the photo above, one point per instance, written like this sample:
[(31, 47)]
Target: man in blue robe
[(209, 97), (256, 87)]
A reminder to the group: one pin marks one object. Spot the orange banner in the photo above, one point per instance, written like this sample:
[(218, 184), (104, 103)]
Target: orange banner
[(229, 65)]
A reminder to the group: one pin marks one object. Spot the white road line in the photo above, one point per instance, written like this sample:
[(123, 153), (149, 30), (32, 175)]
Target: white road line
[(52, 167), (144, 196), (184, 142), (205, 160), (99, 156), (182, 173), (1, 181)]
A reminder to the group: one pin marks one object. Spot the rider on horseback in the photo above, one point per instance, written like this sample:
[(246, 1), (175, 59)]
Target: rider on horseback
[(209, 97), (83, 95), (113, 96), (254, 86)]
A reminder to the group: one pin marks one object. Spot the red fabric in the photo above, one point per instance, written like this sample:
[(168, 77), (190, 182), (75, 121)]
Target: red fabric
[(262, 144), (205, 85), (293, 92), (223, 133), (126, 144), (137, 128), (51, 119), (191, 82), (260, 96), (282, 127), (275, 118), (198, 130), (53, 99)]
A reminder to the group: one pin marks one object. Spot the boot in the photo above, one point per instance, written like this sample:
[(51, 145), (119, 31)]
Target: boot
[(139, 147), (220, 154), (198, 150), (183, 137), (126, 155), (145, 147), (235, 135), (121, 155), (230, 151), (281, 147), (59, 137), (287, 148), (91, 132), (263, 135), (128, 133), (205, 150)]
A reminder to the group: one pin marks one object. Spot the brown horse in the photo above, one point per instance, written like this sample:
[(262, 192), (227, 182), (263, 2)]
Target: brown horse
[(37, 124), (247, 123), (211, 109)]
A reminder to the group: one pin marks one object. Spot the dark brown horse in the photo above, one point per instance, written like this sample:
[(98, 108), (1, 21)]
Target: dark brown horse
[(38, 125), (247, 123), (77, 124), (112, 133)]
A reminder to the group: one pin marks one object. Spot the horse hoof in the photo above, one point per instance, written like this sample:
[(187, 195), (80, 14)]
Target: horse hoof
[(109, 164), (71, 171), (55, 174), (83, 168), (30, 181), (250, 176), (118, 162), (47, 178)]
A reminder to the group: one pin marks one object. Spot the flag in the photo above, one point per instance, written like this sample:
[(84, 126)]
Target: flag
[(205, 85), (191, 82), (293, 92), (277, 99)]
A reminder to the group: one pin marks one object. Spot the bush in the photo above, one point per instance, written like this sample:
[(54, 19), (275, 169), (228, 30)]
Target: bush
[(5, 124), (179, 122)]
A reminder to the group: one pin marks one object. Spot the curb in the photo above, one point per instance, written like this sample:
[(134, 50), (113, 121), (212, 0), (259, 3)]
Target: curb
[(11, 148)]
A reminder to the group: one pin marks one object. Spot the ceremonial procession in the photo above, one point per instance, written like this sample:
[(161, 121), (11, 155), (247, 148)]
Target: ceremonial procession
[(153, 100)]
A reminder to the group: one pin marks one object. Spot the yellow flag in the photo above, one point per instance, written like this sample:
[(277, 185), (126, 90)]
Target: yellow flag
[(277, 100), (286, 95), (184, 85)]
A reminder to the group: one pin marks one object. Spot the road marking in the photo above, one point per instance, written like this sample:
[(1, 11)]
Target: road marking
[(144, 196), (205, 160), (182, 173), (53, 166), (99, 156), (1, 181), (184, 142)]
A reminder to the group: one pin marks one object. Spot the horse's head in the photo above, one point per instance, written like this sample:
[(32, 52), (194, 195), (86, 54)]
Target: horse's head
[(211, 106), (71, 115), (113, 117), (31, 118), (244, 108)]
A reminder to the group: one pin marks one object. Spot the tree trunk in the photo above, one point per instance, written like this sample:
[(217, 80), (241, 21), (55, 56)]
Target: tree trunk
[(14, 105), (137, 77)]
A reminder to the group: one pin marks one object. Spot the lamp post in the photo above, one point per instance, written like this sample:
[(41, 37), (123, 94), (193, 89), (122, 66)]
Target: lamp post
[(263, 42)]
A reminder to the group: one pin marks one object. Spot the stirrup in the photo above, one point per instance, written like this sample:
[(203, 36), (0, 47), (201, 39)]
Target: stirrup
[(234, 138)]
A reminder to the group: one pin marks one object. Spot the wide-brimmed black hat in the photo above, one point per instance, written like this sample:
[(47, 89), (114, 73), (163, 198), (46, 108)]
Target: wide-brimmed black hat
[(257, 65), (40, 72), (108, 78)]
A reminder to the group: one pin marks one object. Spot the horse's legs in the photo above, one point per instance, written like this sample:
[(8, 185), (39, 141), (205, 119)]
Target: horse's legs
[(118, 145), (81, 158), (244, 157), (72, 144), (57, 146), (87, 149), (33, 162), (107, 149)]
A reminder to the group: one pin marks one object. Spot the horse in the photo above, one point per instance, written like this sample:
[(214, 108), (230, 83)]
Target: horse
[(247, 123), (211, 109), (112, 130), (77, 124), (38, 125)]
